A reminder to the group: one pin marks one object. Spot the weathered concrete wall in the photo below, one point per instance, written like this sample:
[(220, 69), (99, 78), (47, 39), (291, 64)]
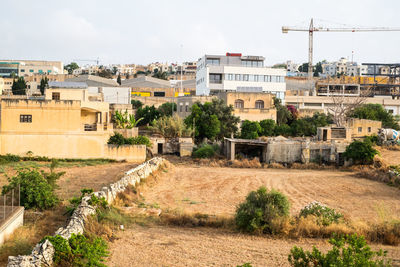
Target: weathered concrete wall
[(42, 254), (130, 153), (11, 223), (127, 133), (283, 152)]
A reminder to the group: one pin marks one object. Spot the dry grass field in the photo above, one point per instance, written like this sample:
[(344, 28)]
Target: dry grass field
[(173, 246), (189, 188), (217, 191)]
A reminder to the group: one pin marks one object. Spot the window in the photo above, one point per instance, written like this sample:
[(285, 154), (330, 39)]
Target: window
[(251, 78), (238, 77), (187, 108), (181, 107), (259, 104), (31, 70), (369, 129), (159, 94), (22, 70), (229, 77), (245, 77), (25, 118), (213, 61), (359, 129), (239, 103), (55, 96), (215, 78)]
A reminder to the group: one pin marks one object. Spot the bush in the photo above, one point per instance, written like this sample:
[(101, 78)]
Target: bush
[(260, 209), (324, 215), (75, 201), (78, 250), (35, 190), (267, 127), (250, 129), (283, 129), (119, 140), (205, 151), (360, 152), (373, 139), (356, 253)]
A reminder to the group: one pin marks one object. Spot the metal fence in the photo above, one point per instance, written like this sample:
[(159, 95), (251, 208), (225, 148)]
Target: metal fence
[(9, 203)]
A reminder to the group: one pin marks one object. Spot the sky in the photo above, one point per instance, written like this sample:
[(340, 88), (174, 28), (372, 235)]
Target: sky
[(142, 32)]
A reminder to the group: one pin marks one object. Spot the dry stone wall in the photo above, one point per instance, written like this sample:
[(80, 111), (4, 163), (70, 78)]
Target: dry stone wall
[(42, 254)]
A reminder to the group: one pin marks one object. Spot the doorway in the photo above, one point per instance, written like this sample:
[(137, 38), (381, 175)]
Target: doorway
[(325, 135), (159, 148)]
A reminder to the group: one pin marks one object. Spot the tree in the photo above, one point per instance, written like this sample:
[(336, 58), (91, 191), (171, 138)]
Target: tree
[(318, 69), (136, 104), (160, 75), (119, 79), (375, 112), (105, 73), (303, 67), (71, 67), (149, 114), (283, 115), (224, 118), (114, 70), (125, 120), (170, 127), (44, 83), (279, 66), (127, 76), (267, 127), (250, 129), (167, 109), (343, 106), (302, 127), (19, 86), (360, 152), (206, 125)]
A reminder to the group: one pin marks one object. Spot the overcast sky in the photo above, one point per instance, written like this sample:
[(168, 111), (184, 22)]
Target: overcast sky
[(142, 32)]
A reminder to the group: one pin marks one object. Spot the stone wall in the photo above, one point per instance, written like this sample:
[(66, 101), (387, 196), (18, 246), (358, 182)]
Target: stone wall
[(42, 254)]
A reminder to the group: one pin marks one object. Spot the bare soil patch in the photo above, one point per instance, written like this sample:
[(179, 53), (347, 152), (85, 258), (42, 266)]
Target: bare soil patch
[(217, 191), (172, 246)]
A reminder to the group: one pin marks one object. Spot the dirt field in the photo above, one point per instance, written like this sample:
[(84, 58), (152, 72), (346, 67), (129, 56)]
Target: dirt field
[(76, 177), (170, 246), (219, 190)]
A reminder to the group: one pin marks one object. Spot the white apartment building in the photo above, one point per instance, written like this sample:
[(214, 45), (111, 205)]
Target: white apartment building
[(30, 67), (234, 72), (343, 66), (291, 66)]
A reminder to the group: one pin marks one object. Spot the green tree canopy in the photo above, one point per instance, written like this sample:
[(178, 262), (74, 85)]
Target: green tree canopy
[(136, 104), (213, 118), (71, 67), (119, 79), (267, 127), (19, 86), (375, 112), (167, 109), (250, 129), (44, 83), (149, 114)]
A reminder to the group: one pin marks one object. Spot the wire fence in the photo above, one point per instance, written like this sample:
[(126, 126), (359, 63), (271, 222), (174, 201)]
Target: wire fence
[(9, 203)]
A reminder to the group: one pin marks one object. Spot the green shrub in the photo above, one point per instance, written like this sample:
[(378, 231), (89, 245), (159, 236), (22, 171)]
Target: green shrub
[(360, 152), (250, 129), (373, 139), (78, 250), (119, 140), (75, 201), (245, 265), (260, 209), (283, 129), (205, 151), (325, 216), (35, 190), (347, 251), (267, 127)]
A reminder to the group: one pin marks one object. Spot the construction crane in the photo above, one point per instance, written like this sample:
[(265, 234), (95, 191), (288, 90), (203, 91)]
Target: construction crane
[(312, 29)]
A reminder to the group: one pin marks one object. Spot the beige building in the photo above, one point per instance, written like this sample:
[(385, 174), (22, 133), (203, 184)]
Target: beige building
[(30, 67), (362, 127), (68, 123), (247, 106), (1, 85)]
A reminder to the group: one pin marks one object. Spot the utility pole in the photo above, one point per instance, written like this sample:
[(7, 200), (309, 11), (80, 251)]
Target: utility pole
[(310, 50)]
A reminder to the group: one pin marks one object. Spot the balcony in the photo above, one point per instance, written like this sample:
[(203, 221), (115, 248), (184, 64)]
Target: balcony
[(90, 127)]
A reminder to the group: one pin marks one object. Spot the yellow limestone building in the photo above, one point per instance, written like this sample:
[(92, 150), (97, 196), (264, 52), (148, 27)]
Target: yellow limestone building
[(68, 123)]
